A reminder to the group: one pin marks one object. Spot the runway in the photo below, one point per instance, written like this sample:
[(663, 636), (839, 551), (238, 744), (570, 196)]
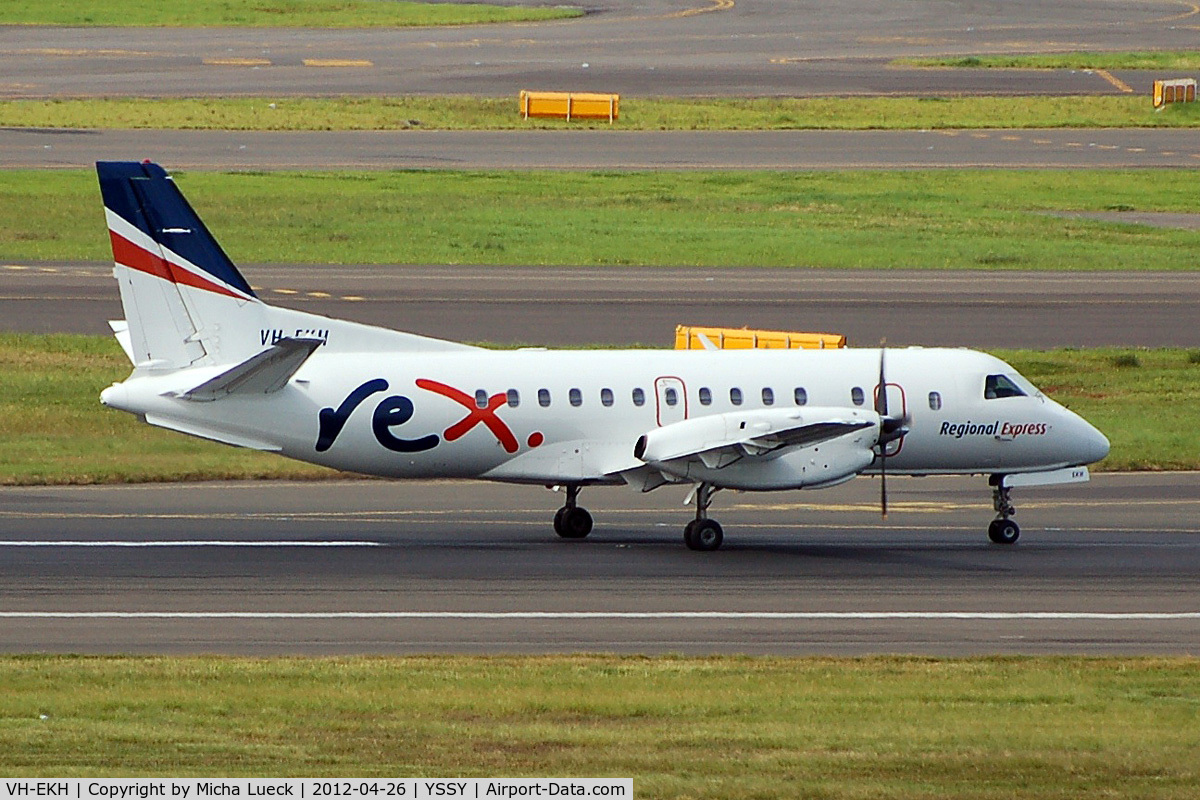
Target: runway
[(1122, 148), (634, 47), (375, 567), (562, 306)]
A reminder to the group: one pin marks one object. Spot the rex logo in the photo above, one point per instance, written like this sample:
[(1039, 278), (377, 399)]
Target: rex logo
[(395, 410)]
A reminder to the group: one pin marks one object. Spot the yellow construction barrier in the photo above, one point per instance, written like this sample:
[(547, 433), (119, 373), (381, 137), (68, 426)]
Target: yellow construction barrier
[(687, 337), (570, 105), (1179, 90)]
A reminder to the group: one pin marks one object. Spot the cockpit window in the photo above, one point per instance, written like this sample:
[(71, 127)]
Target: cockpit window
[(1001, 386)]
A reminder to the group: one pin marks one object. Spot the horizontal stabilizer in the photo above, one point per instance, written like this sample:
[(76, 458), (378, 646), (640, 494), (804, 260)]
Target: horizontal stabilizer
[(266, 372)]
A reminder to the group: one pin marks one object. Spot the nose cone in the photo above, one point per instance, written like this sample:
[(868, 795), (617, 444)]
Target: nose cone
[(1098, 444), (1090, 444)]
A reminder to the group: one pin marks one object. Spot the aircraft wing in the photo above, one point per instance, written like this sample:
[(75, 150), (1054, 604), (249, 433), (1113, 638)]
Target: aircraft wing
[(723, 439)]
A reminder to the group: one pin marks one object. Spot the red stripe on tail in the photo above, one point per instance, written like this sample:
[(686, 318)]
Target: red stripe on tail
[(136, 257)]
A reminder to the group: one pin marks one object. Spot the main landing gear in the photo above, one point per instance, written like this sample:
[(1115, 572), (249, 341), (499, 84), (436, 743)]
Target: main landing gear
[(572, 521), (703, 533), (1002, 530)]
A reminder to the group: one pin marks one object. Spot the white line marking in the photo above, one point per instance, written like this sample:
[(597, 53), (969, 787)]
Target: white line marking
[(611, 615), (183, 543)]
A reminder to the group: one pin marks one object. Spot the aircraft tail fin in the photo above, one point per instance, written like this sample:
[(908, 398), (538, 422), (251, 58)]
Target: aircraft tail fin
[(174, 277), (185, 302)]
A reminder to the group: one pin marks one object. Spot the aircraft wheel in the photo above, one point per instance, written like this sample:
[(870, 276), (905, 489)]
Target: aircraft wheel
[(703, 534), (572, 523), (1003, 531)]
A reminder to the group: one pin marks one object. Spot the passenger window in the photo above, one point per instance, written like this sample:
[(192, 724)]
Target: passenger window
[(481, 398), (705, 396), (544, 398), (996, 386), (800, 396), (513, 397), (576, 397), (857, 396), (671, 396), (735, 396), (768, 395), (639, 397), (606, 397), (935, 401)]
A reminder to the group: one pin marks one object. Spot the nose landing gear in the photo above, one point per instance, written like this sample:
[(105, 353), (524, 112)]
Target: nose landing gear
[(1002, 530)]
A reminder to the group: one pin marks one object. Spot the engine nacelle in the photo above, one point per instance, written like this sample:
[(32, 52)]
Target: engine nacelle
[(765, 449)]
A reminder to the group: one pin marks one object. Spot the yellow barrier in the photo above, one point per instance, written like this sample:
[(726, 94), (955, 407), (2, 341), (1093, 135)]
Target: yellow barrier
[(687, 337), (570, 105), (1180, 90)]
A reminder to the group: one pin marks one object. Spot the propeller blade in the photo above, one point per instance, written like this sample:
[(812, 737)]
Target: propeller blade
[(890, 428), (883, 486), (887, 427), (881, 399)]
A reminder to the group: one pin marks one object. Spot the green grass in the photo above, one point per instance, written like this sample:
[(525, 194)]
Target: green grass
[(281, 13), (713, 728), (1144, 400), (637, 113), (931, 219), (1148, 59), (54, 430)]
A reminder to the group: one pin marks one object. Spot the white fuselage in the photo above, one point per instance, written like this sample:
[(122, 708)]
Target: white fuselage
[(553, 416)]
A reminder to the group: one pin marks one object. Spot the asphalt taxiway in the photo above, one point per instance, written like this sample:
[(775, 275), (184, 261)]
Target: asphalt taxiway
[(368, 566), (634, 47), (556, 306), (1122, 148)]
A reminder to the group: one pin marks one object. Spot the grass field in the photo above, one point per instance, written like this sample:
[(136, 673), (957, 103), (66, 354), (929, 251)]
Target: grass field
[(255, 13), (54, 430), (930, 219), (713, 728), (637, 113), (1146, 59)]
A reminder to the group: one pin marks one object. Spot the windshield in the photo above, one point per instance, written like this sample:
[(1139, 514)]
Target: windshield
[(996, 386), (1025, 385)]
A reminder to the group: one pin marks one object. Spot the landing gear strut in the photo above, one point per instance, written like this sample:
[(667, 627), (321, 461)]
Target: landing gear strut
[(703, 533), (572, 521), (1002, 530)]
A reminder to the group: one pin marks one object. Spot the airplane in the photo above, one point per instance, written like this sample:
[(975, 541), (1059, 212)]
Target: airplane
[(212, 360)]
